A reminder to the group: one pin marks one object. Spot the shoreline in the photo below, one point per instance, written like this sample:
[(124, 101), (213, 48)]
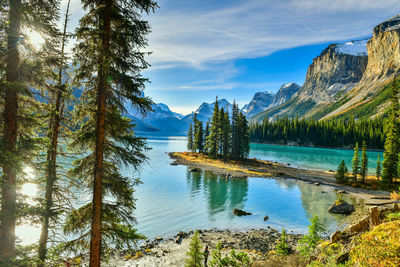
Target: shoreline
[(257, 243), (313, 146), (268, 169)]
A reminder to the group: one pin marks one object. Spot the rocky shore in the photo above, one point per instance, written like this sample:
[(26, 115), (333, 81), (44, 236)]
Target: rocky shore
[(172, 251)]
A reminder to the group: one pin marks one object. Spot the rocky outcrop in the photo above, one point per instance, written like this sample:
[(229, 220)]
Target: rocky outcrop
[(285, 93), (337, 69), (258, 103), (383, 66)]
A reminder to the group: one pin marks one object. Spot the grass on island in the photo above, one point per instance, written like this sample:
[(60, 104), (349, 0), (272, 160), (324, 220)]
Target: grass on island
[(229, 165)]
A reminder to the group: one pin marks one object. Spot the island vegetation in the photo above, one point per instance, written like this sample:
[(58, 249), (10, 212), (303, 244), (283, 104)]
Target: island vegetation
[(223, 137)]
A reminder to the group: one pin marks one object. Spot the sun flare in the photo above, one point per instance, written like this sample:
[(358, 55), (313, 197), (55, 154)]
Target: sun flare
[(35, 38)]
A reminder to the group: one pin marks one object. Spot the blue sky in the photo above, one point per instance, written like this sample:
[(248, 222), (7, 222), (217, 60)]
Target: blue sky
[(235, 48)]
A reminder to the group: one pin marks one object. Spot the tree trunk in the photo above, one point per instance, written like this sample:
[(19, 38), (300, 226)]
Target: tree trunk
[(8, 203), (51, 171), (96, 231)]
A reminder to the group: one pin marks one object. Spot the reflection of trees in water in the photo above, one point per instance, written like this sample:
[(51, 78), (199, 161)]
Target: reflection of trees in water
[(238, 188), (216, 191), (316, 202), (286, 184), (194, 181), (221, 193)]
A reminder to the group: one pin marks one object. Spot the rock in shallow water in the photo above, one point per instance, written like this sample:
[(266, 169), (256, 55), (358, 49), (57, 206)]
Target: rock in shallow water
[(239, 212), (343, 208)]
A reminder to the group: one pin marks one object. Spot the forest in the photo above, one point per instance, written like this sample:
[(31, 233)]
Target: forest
[(325, 133), (63, 117)]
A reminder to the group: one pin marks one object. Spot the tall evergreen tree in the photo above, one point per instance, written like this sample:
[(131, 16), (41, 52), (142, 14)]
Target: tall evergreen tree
[(244, 137), (235, 147), (213, 141), (378, 168), (364, 162), (356, 162), (392, 143), (55, 51), (190, 139), (226, 135), (198, 138), (206, 134), (341, 173), (110, 36), (18, 74)]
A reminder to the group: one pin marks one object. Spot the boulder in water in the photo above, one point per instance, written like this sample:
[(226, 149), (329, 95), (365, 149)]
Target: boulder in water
[(341, 208), (239, 212)]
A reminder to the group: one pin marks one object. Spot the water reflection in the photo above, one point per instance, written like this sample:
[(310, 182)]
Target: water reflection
[(222, 193)]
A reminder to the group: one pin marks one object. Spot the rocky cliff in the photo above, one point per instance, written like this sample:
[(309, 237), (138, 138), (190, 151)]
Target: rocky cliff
[(333, 73), (258, 103), (338, 68), (285, 93), (383, 66)]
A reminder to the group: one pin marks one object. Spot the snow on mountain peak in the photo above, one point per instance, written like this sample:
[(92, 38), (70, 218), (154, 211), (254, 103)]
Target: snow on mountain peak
[(354, 48)]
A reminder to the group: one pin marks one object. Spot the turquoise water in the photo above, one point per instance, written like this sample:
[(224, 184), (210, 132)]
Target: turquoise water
[(172, 199), (309, 157)]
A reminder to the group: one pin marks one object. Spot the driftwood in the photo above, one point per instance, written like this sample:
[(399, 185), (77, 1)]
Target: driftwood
[(381, 204)]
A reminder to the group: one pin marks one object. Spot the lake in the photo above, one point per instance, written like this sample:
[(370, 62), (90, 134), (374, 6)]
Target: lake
[(173, 199)]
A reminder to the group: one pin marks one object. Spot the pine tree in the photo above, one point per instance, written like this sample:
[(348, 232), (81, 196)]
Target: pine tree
[(364, 162), (206, 134), (110, 37), (282, 248), (195, 257), (356, 163), (190, 139), (244, 137), (19, 74), (235, 147), (378, 168), (226, 135), (198, 138), (213, 141), (58, 96), (392, 142), (341, 173)]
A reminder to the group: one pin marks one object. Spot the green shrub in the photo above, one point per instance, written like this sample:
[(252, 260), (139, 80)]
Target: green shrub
[(283, 248), (309, 242), (235, 259), (195, 255), (341, 173)]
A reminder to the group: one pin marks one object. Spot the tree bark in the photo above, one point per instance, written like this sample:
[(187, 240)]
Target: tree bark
[(8, 203), (96, 231), (51, 171)]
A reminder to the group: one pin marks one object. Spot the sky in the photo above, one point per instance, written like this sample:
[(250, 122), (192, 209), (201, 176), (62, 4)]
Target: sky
[(234, 48)]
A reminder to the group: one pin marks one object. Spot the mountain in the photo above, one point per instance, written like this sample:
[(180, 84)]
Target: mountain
[(258, 103), (334, 72), (349, 79), (161, 119), (205, 111), (285, 93)]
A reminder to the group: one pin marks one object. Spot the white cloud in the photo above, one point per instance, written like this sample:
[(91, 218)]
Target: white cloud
[(257, 28)]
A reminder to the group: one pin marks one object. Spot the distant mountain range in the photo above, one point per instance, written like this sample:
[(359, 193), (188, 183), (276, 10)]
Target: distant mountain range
[(162, 119), (346, 79)]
